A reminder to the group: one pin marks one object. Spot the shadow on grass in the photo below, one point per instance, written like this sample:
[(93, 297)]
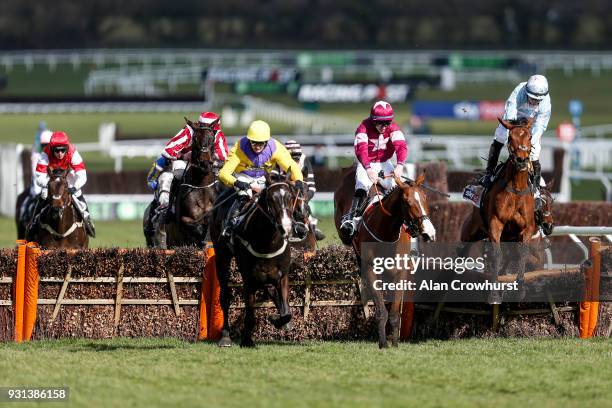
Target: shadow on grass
[(102, 347)]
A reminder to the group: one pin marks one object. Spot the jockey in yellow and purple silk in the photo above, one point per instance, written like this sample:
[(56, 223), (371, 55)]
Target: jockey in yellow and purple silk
[(250, 158)]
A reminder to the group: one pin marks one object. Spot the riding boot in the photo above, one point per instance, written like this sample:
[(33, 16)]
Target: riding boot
[(494, 152), (348, 225), (233, 214), (87, 222), (537, 176)]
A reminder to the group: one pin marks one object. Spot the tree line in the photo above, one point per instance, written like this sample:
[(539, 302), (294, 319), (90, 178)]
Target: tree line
[(385, 24)]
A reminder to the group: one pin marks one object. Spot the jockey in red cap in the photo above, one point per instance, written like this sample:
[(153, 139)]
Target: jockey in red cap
[(172, 160), (376, 140), (61, 154)]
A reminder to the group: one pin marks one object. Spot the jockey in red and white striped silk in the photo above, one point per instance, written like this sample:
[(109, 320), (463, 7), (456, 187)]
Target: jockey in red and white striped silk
[(377, 139), (61, 154), (174, 157)]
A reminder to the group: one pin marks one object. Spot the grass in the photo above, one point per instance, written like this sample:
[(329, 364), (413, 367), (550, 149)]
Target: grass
[(128, 234), (463, 373)]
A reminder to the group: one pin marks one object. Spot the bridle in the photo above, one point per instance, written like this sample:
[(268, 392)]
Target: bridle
[(60, 211), (519, 163)]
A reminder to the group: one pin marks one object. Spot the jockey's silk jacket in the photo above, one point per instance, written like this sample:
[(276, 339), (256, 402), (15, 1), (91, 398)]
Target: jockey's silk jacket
[(180, 144), (72, 160), (374, 147), (242, 159), (518, 107)]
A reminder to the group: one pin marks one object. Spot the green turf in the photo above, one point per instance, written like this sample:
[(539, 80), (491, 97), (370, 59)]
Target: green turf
[(464, 373), (128, 234)]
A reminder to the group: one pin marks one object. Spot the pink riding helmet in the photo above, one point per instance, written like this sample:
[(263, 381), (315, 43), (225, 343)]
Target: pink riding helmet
[(381, 111)]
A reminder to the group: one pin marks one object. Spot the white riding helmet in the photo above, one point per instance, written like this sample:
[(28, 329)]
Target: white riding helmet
[(45, 137), (537, 87)]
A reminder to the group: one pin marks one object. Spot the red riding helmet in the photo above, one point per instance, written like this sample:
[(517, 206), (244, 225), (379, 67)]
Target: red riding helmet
[(381, 112), (210, 119), (59, 139)]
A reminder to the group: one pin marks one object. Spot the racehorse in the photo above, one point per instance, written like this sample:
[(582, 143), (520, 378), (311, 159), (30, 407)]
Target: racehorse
[(403, 206), (21, 218), (59, 223), (194, 196), (506, 212), (262, 252)]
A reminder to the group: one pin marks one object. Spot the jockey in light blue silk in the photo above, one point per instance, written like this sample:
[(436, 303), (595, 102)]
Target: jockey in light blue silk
[(528, 100)]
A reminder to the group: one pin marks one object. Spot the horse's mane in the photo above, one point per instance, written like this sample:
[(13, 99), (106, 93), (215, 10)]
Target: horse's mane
[(518, 122)]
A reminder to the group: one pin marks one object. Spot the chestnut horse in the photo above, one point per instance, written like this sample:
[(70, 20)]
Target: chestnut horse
[(58, 224), (506, 212), (404, 205)]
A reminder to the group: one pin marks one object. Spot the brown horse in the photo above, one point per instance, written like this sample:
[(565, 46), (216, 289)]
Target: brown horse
[(194, 196), (21, 219), (506, 213), (59, 224), (403, 206)]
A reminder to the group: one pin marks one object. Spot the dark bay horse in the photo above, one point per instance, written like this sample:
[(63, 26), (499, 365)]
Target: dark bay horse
[(21, 222), (506, 213), (194, 196), (59, 225), (262, 252), (405, 206)]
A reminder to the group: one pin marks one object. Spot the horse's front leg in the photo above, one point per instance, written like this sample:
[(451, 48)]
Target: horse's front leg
[(394, 318), (524, 251), (222, 263), (494, 257), (381, 311), (249, 317), (281, 300)]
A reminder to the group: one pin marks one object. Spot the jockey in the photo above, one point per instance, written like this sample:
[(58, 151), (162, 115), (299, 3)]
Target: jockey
[(61, 154), (171, 163), (376, 139), (295, 150), (528, 100), (42, 140), (250, 158)]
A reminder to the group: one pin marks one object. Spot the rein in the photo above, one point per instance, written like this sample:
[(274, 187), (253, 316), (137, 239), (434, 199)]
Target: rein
[(248, 246), (56, 234)]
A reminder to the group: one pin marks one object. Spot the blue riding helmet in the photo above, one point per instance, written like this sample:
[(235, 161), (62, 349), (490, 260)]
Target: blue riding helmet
[(156, 169)]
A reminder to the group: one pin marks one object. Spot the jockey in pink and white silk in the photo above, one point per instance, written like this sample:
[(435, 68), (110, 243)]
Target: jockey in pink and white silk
[(377, 139)]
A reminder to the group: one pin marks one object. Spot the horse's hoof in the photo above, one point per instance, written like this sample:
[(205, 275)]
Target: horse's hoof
[(288, 326), (495, 297), (225, 342), (280, 321), (247, 343)]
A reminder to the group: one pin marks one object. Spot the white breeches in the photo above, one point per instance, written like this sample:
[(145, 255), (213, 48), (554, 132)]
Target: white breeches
[(363, 182), (248, 179)]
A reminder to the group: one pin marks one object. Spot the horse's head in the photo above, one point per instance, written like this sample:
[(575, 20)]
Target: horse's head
[(59, 197), (544, 215), (202, 144), (519, 142), (415, 210), (282, 200)]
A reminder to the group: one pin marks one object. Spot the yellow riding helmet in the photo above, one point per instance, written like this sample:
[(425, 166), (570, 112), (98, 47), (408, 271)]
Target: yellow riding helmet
[(259, 131)]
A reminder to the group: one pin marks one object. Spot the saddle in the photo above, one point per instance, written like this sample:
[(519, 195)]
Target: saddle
[(475, 194)]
